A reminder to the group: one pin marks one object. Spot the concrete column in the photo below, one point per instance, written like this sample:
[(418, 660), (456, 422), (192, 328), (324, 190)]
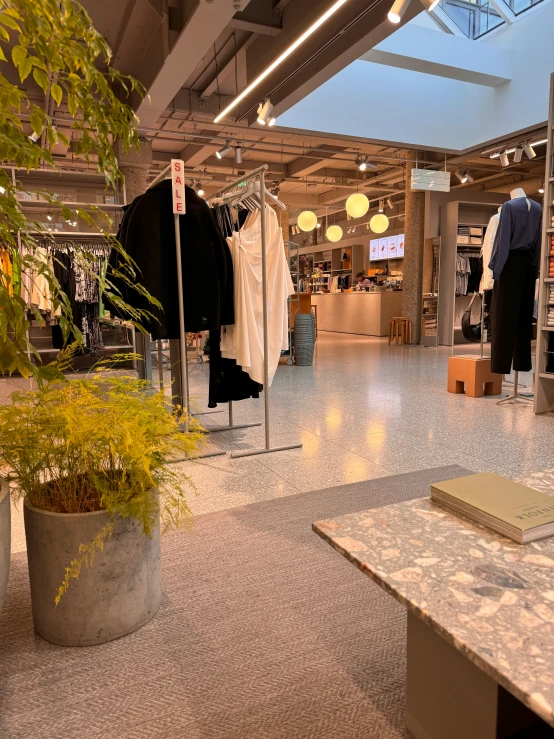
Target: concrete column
[(414, 249), (135, 167)]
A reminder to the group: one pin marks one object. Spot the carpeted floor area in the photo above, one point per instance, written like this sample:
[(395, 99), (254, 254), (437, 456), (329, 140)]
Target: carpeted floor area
[(264, 633)]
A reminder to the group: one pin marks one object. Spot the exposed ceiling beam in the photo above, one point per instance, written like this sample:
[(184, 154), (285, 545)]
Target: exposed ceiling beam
[(261, 28), (306, 165), (227, 70), (200, 31), (340, 194)]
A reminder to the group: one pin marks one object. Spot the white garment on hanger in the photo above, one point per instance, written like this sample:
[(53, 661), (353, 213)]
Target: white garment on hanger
[(487, 280), (244, 341)]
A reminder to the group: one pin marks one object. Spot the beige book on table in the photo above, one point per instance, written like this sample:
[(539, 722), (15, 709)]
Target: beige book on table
[(510, 508)]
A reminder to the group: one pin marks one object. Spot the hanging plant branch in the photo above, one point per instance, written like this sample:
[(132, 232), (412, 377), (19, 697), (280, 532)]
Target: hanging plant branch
[(54, 43)]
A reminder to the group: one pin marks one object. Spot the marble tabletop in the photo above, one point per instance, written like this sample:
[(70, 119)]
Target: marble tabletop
[(489, 597)]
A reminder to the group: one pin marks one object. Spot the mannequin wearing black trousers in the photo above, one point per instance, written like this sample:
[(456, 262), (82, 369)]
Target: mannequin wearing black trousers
[(515, 264)]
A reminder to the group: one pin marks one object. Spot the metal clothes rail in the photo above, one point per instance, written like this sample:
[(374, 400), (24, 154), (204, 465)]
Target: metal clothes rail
[(182, 387), (259, 174)]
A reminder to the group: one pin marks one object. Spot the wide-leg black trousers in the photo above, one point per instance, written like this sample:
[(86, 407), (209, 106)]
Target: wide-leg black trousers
[(513, 299)]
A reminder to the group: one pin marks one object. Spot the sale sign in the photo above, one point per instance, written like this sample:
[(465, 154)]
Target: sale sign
[(178, 185)]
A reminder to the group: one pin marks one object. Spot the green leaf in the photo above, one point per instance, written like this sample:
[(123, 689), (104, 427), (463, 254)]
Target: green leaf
[(41, 77), (4, 33), (63, 138), (7, 20), (25, 69), (18, 55), (57, 93), (37, 117), (2, 55)]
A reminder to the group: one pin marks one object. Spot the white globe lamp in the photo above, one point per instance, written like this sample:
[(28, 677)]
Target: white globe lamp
[(379, 223), (357, 205), (307, 220), (334, 233)]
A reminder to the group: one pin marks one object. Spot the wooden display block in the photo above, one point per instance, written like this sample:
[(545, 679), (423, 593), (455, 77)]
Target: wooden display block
[(473, 376)]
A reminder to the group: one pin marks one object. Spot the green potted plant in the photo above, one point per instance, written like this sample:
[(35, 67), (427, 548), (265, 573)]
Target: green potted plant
[(90, 458), (53, 47)]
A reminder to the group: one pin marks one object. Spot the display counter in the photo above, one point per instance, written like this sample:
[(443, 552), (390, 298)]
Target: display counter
[(357, 312)]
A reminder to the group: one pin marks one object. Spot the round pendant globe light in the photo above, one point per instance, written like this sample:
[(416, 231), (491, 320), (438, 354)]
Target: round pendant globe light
[(334, 233), (357, 205), (307, 220), (379, 223)]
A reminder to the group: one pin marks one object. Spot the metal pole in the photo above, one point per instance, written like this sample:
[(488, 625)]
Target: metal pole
[(264, 298), (182, 332), (160, 366)]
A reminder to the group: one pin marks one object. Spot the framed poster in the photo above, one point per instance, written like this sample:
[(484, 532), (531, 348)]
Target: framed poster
[(373, 250), (400, 246), (383, 248), (392, 244)]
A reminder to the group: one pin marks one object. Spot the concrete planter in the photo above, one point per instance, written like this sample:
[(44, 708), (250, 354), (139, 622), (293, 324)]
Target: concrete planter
[(116, 596), (5, 537)]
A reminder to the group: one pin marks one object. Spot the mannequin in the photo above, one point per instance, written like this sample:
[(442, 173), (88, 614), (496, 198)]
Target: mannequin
[(515, 264), (487, 280)]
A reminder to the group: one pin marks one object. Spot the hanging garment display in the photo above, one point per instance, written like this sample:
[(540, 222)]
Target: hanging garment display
[(487, 280), (78, 278), (244, 341), (469, 270), (228, 381), (147, 234), (515, 265)]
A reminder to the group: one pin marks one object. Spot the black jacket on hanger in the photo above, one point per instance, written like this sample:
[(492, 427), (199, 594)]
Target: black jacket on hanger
[(147, 234)]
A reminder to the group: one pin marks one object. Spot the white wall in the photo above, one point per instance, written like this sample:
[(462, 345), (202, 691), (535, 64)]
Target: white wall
[(407, 107)]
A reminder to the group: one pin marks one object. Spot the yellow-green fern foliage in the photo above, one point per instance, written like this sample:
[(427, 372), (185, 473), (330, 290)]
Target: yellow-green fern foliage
[(102, 442)]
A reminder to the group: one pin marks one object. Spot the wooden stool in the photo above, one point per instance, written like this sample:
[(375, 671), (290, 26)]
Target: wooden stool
[(474, 375), (400, 330)]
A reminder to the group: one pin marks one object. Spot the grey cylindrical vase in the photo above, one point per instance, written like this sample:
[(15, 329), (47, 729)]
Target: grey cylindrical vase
[(5, 537), (118, 594)]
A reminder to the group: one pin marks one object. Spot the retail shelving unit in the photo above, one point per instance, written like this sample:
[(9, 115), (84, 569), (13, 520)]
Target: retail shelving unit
[(455, 215), (544, 364)]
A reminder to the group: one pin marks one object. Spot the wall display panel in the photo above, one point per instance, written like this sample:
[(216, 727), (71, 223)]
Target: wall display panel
[(373, 250), (383, 248), (392, 247)]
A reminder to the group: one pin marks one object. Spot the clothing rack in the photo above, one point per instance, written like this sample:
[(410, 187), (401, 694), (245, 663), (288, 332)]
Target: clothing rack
[(182, 387), (259, 174)]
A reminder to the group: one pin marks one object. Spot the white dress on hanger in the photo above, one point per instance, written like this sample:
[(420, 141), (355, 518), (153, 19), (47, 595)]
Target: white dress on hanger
[(244, 341), (487, 280)]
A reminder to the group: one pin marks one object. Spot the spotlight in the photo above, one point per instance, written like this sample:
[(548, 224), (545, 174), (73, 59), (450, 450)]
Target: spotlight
[(430, 4), (541, 189), (49, 218), (319, 225), (468, 177), (34, 137), (381, 206), (264, 113), (238, 154), (397, 11), (529, 151), (518, 153), (390, 203), (361, 163), (200, 190), (227, 149), (504, 161), (461, 176)]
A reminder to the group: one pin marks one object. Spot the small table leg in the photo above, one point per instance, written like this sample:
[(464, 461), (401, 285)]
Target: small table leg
[(448, 697)]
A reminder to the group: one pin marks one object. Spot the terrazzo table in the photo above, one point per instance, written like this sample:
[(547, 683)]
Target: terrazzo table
[(480, 617)]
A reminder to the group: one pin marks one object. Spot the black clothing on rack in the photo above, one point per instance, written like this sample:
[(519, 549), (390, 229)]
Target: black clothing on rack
[(512, 313), (228, 381), (147, 234)]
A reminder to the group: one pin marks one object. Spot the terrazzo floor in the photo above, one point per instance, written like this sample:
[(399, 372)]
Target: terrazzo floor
[(364, 410)]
